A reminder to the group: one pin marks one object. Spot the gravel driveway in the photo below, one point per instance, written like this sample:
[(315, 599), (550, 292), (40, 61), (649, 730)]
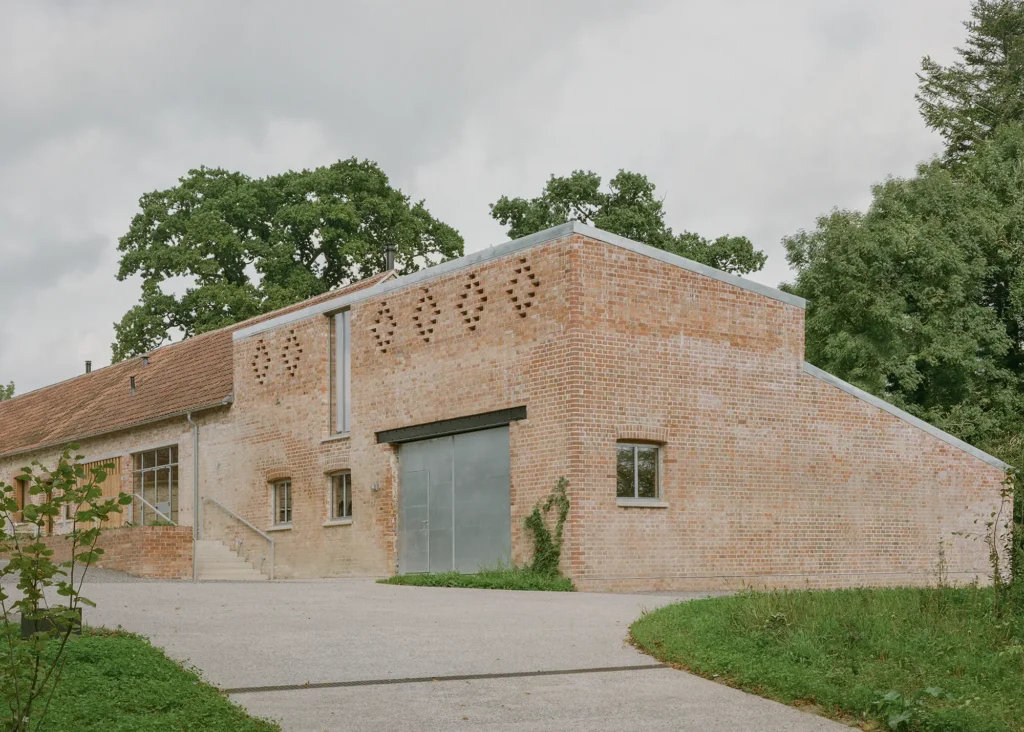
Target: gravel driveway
[(383, 657)]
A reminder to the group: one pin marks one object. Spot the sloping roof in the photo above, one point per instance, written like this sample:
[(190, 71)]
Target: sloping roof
[(193, 374), (340, 299)]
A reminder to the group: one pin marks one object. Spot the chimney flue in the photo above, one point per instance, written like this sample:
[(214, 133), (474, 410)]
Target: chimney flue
[(389, 256), (145, 360), (88, 367), (131, 384)]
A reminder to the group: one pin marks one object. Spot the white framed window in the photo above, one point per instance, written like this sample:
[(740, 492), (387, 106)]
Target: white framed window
[(341, 496), (637, 471), (282, 499), (342, 372)]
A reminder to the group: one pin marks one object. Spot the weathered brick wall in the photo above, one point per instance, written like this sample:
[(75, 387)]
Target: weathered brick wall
[(447, 356), (155, 552), (771, 477), (123, 443)]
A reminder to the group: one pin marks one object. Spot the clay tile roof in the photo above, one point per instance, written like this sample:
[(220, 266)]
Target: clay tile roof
[(193, 374)]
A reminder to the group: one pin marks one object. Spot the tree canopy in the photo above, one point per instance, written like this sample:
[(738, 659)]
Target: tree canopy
[(969, 99), (246, 246), (629, 208), (921, 298), (6, 392)]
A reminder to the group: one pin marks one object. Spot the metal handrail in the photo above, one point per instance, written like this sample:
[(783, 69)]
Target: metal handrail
[(266, 536), (157, 510)]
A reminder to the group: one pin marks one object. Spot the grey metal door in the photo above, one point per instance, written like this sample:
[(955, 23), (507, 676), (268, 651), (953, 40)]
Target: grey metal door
[(455, 503)]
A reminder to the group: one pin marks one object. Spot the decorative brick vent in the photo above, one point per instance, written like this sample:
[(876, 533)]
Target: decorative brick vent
[(291, 353), (383, 327), (425, 316), (471, 300), (522, 288), (261, 362)]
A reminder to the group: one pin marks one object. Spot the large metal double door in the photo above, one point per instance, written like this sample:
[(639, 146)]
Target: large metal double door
[(455, 503)]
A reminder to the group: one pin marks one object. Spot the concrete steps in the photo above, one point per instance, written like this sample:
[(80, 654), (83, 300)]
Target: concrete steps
[(214, 561)]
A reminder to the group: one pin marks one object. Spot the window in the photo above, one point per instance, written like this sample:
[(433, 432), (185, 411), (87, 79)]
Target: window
[(341, 496), (342, 372), (21, 497), (637, 471), (156, 480), (282, 502)]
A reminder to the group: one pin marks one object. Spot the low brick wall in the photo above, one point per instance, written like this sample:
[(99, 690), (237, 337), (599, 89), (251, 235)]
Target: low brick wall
[(154, 552)]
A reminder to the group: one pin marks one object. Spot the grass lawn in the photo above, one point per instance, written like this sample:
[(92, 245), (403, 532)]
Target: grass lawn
[(118, 682), (902, 659), (504, 578)]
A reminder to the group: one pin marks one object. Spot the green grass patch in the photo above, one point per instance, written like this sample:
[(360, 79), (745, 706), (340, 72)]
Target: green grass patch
[(902, 659), (503, 578), (117, 682)]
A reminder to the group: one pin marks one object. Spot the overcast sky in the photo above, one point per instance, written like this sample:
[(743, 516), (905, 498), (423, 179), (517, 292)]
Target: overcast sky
[(751, 117)]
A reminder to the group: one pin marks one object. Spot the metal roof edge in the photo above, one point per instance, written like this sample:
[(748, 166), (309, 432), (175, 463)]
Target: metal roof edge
[(905, 416), (683, 263), (397, 283), (510, 247)]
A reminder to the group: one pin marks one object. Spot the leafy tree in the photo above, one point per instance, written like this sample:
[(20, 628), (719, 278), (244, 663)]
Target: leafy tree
[(920, 299), (251, 245), (628, 208), (966, 102), (31, 666), (6, 392)]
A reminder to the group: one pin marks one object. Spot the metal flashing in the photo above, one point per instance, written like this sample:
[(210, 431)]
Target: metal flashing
[(905, 416), (455, 426), (511, 247), (683, 263)]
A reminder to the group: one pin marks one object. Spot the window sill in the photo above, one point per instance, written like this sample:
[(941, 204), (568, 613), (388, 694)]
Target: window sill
[(281, 527), (336, 438), (338, 522), (640, 503)]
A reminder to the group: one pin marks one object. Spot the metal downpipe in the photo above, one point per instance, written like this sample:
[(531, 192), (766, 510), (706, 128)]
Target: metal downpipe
[(195, 491)]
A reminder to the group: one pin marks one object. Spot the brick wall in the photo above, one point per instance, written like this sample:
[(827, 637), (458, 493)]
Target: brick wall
[(156, 552), (770, 477)]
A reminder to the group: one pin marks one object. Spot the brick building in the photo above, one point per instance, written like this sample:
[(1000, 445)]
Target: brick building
[(411, 423)]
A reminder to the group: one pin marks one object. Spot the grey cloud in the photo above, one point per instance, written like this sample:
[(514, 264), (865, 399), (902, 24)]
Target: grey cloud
[(751, 117)]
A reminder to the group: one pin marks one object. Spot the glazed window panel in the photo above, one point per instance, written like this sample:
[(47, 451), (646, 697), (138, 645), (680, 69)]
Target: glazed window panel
[(636, 471), (282, 502), (341, 496), (155, 478), (342, 372)]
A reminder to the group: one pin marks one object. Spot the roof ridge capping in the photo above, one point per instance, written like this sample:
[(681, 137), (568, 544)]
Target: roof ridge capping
[(905, 416), (510, 247)]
